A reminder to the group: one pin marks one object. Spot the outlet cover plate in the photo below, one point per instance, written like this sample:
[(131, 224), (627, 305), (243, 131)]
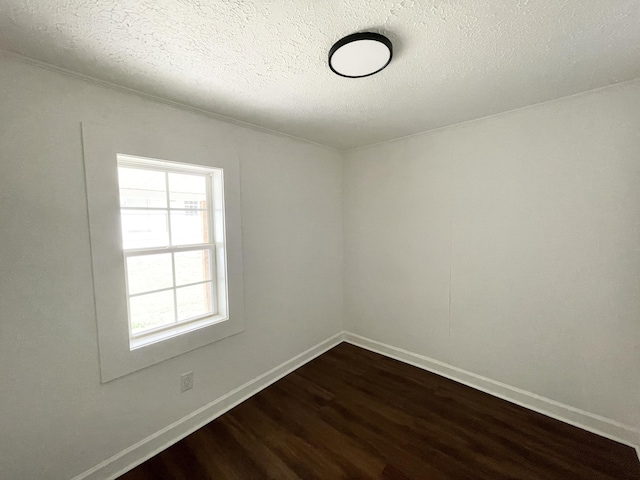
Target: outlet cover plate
[(186, 381)]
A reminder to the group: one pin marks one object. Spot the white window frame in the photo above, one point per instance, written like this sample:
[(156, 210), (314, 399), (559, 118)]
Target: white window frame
[(215, 245), (102, 145)]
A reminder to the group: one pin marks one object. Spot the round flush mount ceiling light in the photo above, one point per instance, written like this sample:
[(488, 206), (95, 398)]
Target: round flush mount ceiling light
[(360, 54)]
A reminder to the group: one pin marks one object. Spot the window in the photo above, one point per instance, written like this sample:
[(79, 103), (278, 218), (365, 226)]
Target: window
[(172, 227), (166, 244)]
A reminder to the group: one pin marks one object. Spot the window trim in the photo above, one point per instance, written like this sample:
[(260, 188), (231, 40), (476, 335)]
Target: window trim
[(101, 145)]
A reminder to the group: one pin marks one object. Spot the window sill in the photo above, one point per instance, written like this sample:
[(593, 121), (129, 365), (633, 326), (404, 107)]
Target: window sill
[(150, 339)]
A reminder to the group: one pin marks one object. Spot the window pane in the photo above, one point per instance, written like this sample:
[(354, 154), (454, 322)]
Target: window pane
[(192, 267), (151, 311), (194, 301), (187, 229), (187, 191), (144, 228), (149, 272), (142, 188)]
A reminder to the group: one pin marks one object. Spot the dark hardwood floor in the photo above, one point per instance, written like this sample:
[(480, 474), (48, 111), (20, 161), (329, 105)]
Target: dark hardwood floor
[(351, 413)]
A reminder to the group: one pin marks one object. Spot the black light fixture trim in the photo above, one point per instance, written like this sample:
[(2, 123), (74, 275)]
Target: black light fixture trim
[(354, 37)]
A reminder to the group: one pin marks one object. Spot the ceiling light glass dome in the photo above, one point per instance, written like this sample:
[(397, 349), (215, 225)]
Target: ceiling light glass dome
[(360, 55)]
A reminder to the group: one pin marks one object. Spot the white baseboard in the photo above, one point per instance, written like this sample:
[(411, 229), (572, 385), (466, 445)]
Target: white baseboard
[(146, 448), (574, 416)]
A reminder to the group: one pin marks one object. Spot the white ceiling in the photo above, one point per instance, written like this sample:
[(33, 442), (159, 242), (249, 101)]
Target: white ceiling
[(265, 62)]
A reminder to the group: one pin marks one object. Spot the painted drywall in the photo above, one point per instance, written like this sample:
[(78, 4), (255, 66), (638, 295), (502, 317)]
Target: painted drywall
[(508, 247), (56, 419)]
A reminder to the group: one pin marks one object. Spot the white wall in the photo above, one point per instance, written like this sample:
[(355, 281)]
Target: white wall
[(56, 419), (508, 247)]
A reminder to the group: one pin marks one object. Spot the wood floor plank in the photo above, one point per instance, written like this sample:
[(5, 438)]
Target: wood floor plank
[(351, 413)]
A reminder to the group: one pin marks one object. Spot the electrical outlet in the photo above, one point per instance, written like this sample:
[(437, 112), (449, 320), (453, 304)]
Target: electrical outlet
[(186, 381)]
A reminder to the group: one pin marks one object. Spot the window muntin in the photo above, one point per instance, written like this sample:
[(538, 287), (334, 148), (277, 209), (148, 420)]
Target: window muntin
[(172, 228)]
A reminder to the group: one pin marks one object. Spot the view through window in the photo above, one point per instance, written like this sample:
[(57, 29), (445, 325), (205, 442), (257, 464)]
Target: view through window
[(169, 223)]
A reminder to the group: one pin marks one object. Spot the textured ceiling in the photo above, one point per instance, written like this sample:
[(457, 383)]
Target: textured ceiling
[(264, 62)]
